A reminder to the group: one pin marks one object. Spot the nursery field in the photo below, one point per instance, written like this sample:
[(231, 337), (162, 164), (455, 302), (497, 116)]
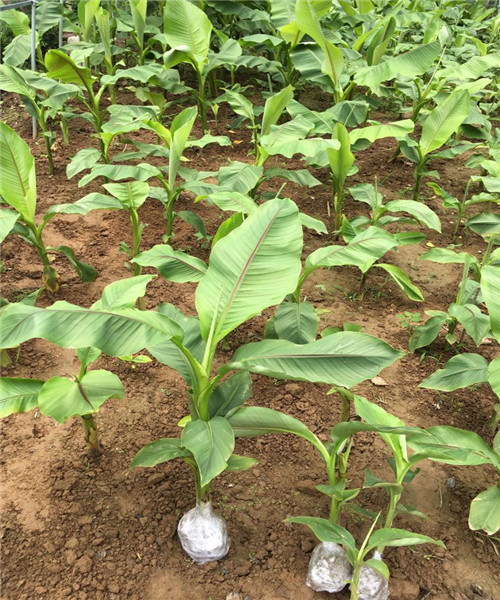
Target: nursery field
[(323, 302)]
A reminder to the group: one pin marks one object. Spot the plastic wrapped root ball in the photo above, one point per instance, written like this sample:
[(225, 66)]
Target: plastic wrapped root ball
[(203, 534), (372, 585), (329, 569)]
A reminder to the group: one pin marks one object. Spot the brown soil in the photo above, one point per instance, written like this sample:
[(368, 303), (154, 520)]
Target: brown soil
[(92, 530)]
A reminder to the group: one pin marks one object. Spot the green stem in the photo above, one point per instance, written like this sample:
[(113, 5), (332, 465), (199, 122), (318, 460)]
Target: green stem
[(43, 126), (418, 178), (169, 215), (461, 210), (50, 276), (201, 490), (337, 201), (94, 448), (489, 248), (202, 102)]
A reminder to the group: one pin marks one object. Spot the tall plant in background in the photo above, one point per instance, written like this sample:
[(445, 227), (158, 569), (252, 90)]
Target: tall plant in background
[(188, 31)]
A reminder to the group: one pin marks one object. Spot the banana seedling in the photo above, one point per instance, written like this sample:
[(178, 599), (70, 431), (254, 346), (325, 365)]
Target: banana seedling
[(18, 190), (43, 98), (238, 283), (84, 393), (382, 214), (465, 311), (440, 124)]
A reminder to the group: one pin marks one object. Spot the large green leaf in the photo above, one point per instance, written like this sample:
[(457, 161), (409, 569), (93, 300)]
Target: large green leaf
[(83, 159), (240, 104), (490, 288), (475, 323), (362, 251), (93, 201), (245, 265), (494, 375), (396, 129), (62, 398), (211, 443), (60, 66), (444, 121), (399, 537), (138, 9), (296, 322), (403, 281), (251, 421), (410, 64), (307, 20), (473, 68), (116, 333), (158, 452), (12, 80), (8, 219), (18, 21), (18, 51), (186, 25), (424, 215), (468, 447), (425, 334), (230, 394), (485, 511), (485, 224), (308, 59), (233, 201), (460, 371), (326, 531), (123, 293), (274, 107), (173, 265), (18, 176), (239, 177), (86, 14), (340, 160), (142, 73), (345, 358), (140, 172), (132, 194), (446, 256), (18, 395)]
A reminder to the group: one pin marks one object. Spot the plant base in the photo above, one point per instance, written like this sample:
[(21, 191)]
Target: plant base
[(203, 534), (329, 569)]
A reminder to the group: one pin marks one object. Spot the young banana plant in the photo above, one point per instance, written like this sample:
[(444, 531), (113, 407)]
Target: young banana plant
[(382, 214), (18, 190), (44, 99), (174, 141), (467, 369), (62, 67), (238, 283), (440, 124), (465, 310)]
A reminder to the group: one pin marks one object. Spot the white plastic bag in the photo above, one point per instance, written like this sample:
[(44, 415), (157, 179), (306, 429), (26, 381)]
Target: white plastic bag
[(329, 569), (203, 534), (372, 585)]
